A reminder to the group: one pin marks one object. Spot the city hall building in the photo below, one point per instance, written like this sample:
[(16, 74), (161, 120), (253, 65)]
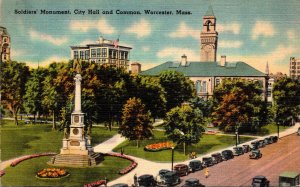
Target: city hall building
[(103, 52), (208, 73)]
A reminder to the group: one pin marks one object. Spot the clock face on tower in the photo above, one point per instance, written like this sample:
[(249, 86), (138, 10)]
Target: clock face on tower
[(208, 48)]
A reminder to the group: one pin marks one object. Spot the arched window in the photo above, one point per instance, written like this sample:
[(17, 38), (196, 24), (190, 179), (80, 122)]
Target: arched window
[(208, 24), (198, 86)]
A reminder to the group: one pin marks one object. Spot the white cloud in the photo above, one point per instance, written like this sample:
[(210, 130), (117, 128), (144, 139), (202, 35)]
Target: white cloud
[(230, 27), (263, 28), (47, 61), (146, 48), (278, 59), (175, 53), (48, 38), (17, 52), (102, 25), (230, 44), (184, 30), (291, 34), (141, 28), (88, 41)]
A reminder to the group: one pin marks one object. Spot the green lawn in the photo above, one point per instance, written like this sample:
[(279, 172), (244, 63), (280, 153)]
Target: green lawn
[(28, 139), (207, 143), (270, 129), (24, 173)]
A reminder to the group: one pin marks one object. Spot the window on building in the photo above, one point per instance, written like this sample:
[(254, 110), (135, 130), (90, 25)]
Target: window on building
[(81, 54), (98, 52), (5, 40), (93, 53), (104, 52), (75, 54), (217, 82), (269, 93), (103, 61), (201, 86), (87, 54), (125, 55)]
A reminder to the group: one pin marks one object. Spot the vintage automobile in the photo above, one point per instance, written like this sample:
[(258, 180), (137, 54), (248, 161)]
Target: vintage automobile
[(217, 158), (260, 181), (255, 154), (227, 154), (237, 151), (195, 165), (289, 178), (120, 185), (207, 161), (254, 145), (246, 148), (192, 182), (261, 143), (168, 178), (298, 132), (147, 180), (182, 169), (274, 139), (268, 140)]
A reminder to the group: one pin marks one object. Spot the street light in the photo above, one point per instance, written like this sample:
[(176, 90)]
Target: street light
[(237, 141), (172, 157)]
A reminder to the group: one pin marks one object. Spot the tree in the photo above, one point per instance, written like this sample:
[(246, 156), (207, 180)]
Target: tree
[(204, 105), (149, 90), (286, 95), (184, 125), (178, 88), (136, 121), (34, 91), (237, 104), (13, 78)]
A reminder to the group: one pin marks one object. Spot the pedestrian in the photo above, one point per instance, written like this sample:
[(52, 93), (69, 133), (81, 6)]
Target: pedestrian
[(135, 180), (206, 172)]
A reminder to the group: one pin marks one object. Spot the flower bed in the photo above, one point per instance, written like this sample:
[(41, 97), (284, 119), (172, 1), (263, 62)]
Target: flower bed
[(128, 168), (96, 183), (52, 173), (17, 161), (212, 132), (159, 146), (2, 172)]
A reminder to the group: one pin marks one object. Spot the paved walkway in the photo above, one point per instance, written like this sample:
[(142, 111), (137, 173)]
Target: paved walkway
[(109, 144), (149, 167)]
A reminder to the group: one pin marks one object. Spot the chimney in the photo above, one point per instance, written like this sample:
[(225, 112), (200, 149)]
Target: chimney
[(183, 60), (223, 60), (136, 68)]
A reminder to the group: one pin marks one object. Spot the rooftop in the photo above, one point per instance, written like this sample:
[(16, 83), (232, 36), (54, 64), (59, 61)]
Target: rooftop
[(207, 69)]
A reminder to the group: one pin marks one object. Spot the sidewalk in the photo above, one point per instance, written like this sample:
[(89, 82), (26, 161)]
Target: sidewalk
[(150, 167)]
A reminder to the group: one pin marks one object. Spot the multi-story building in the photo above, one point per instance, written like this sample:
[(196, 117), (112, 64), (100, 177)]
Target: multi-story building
[(4, 44), (208, 73), (294, 68), (104, 52)]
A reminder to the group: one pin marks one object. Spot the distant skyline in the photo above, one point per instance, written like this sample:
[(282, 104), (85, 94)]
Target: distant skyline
[(251, 31)]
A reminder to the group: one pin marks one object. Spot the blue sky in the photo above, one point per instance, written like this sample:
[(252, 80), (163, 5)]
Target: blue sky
[(251, 31)]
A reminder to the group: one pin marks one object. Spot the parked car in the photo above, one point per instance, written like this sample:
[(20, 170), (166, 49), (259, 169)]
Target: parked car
[(261, 143), (182, 169), (237, 151), (120, 185), (147, 180), (227, 154), (298, 132), (260, 181), (255, 154), (195, 165), (289, 178), (268, 140), (274, 138), (254, 145), (246, 148), (217, 158), (193, 182), (168, 178), (207, 161)]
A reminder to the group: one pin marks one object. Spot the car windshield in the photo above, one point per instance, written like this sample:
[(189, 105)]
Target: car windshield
[(206, 159)]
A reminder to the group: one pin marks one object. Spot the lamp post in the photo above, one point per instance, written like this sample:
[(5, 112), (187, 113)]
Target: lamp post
[(278, 129), (237, 141), (172, 158)]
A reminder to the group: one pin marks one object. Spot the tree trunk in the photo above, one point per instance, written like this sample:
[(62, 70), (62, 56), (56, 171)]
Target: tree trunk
[(53, 121), (34, 120), (137, 143), (15, 117)]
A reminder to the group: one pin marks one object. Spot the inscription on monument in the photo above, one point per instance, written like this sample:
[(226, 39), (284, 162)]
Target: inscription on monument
[(74, 143), (76, 119), (75, 131)]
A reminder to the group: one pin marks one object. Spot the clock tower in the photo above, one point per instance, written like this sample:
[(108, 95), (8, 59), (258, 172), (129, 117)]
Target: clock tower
[(209, 37)]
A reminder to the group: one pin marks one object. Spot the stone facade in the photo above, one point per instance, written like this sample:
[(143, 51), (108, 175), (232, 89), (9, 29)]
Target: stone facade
[(5, 43)]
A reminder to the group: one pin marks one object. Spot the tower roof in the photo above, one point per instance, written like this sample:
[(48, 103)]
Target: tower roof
[(209, 11)]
